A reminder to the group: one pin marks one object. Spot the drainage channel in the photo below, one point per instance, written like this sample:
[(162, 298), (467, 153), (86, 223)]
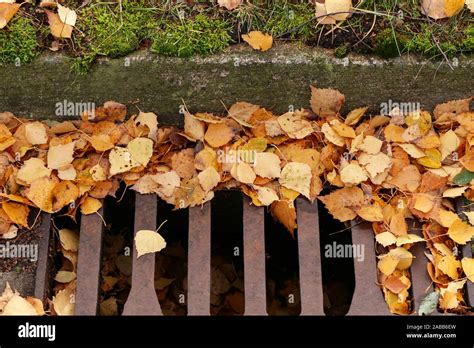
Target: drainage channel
[(227, 257)]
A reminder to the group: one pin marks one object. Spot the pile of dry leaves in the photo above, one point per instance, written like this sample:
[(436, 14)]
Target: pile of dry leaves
[(384, 169)]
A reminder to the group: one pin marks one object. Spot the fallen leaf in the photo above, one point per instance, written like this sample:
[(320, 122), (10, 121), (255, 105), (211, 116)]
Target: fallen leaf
[(140, 150), (461, 232), (7, 11), (326, 102), (296, 176), (371, 213), (17, 212), (67, 15), (60, 155), (266, 195), (243, 173), (32, 170), (17, 305), (35, 133), (40, 193), (229, 4), (454, 192), (338, 6), (209, 178), (147, 242), (449, 143), (69, 239), (386, 239), (449, 265), (258, 40), (90, 206), (294, 124), (331, 135), (194, 128), (353, 174), (65, 276), (429, 303), (267, 165), (58, 28), (468, 267), (218, 134), (285, 213)]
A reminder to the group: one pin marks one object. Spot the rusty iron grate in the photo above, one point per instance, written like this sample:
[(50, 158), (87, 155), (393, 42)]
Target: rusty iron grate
[(142, 300)]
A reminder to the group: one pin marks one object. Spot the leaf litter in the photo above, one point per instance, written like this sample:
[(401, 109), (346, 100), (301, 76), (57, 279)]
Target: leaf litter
[(382, 170)]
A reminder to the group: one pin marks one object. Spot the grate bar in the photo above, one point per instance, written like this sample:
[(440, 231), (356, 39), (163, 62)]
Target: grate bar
[(88, 264), (199, 260), (142, 299), (254, 260), (42, 270), (368, 297), (309, 252)]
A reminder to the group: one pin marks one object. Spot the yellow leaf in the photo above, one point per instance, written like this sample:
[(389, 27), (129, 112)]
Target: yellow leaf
[(285, 213), (7, 11), (454, 192), (468, 267), (423, 202), (141, 150), (387, 264), (62, 303), (147, 242), (267, 165), (353, 174), (67, 15), (258, 40), (17, 212), (17, 305), (336, 6), (342, 129), (65, 276), (101, 142), (266, 195), (461, 232), (35, 133), (449, 265), (470, 216), (294, 124), (296, 176), (33, 169), (386, 239), (58, 28), (218, 134), (371, 213), (431, 160), (409, 239), (355, 115), (41, 193), (332, 136), (447, 218), (371, 145), (69, 240), (209, 178), (60, 155), (449, 143), (229, 4), (193, 127), (453, 7), (243, 173), (90, 206)]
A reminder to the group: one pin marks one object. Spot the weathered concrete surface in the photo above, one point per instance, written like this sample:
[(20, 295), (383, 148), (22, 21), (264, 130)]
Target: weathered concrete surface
[(274, 79), (22, 282)]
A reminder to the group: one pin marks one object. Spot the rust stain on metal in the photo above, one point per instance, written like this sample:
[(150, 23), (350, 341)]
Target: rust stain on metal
[(368, 297), (309, 252), (199, 260), (88, 264), (43, 266), (142, 299), (254, 260)]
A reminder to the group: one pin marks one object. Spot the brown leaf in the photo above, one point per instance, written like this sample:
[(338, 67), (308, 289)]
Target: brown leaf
[(326, 102)]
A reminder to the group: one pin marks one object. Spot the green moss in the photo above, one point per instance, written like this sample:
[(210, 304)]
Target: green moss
[(388, 43), (108, 30), (468, 42), (18, 41), (293, 20), (186, 37), (342, 50)]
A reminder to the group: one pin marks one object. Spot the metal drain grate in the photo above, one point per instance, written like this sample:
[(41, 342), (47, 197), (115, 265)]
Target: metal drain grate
[(142, 300)]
